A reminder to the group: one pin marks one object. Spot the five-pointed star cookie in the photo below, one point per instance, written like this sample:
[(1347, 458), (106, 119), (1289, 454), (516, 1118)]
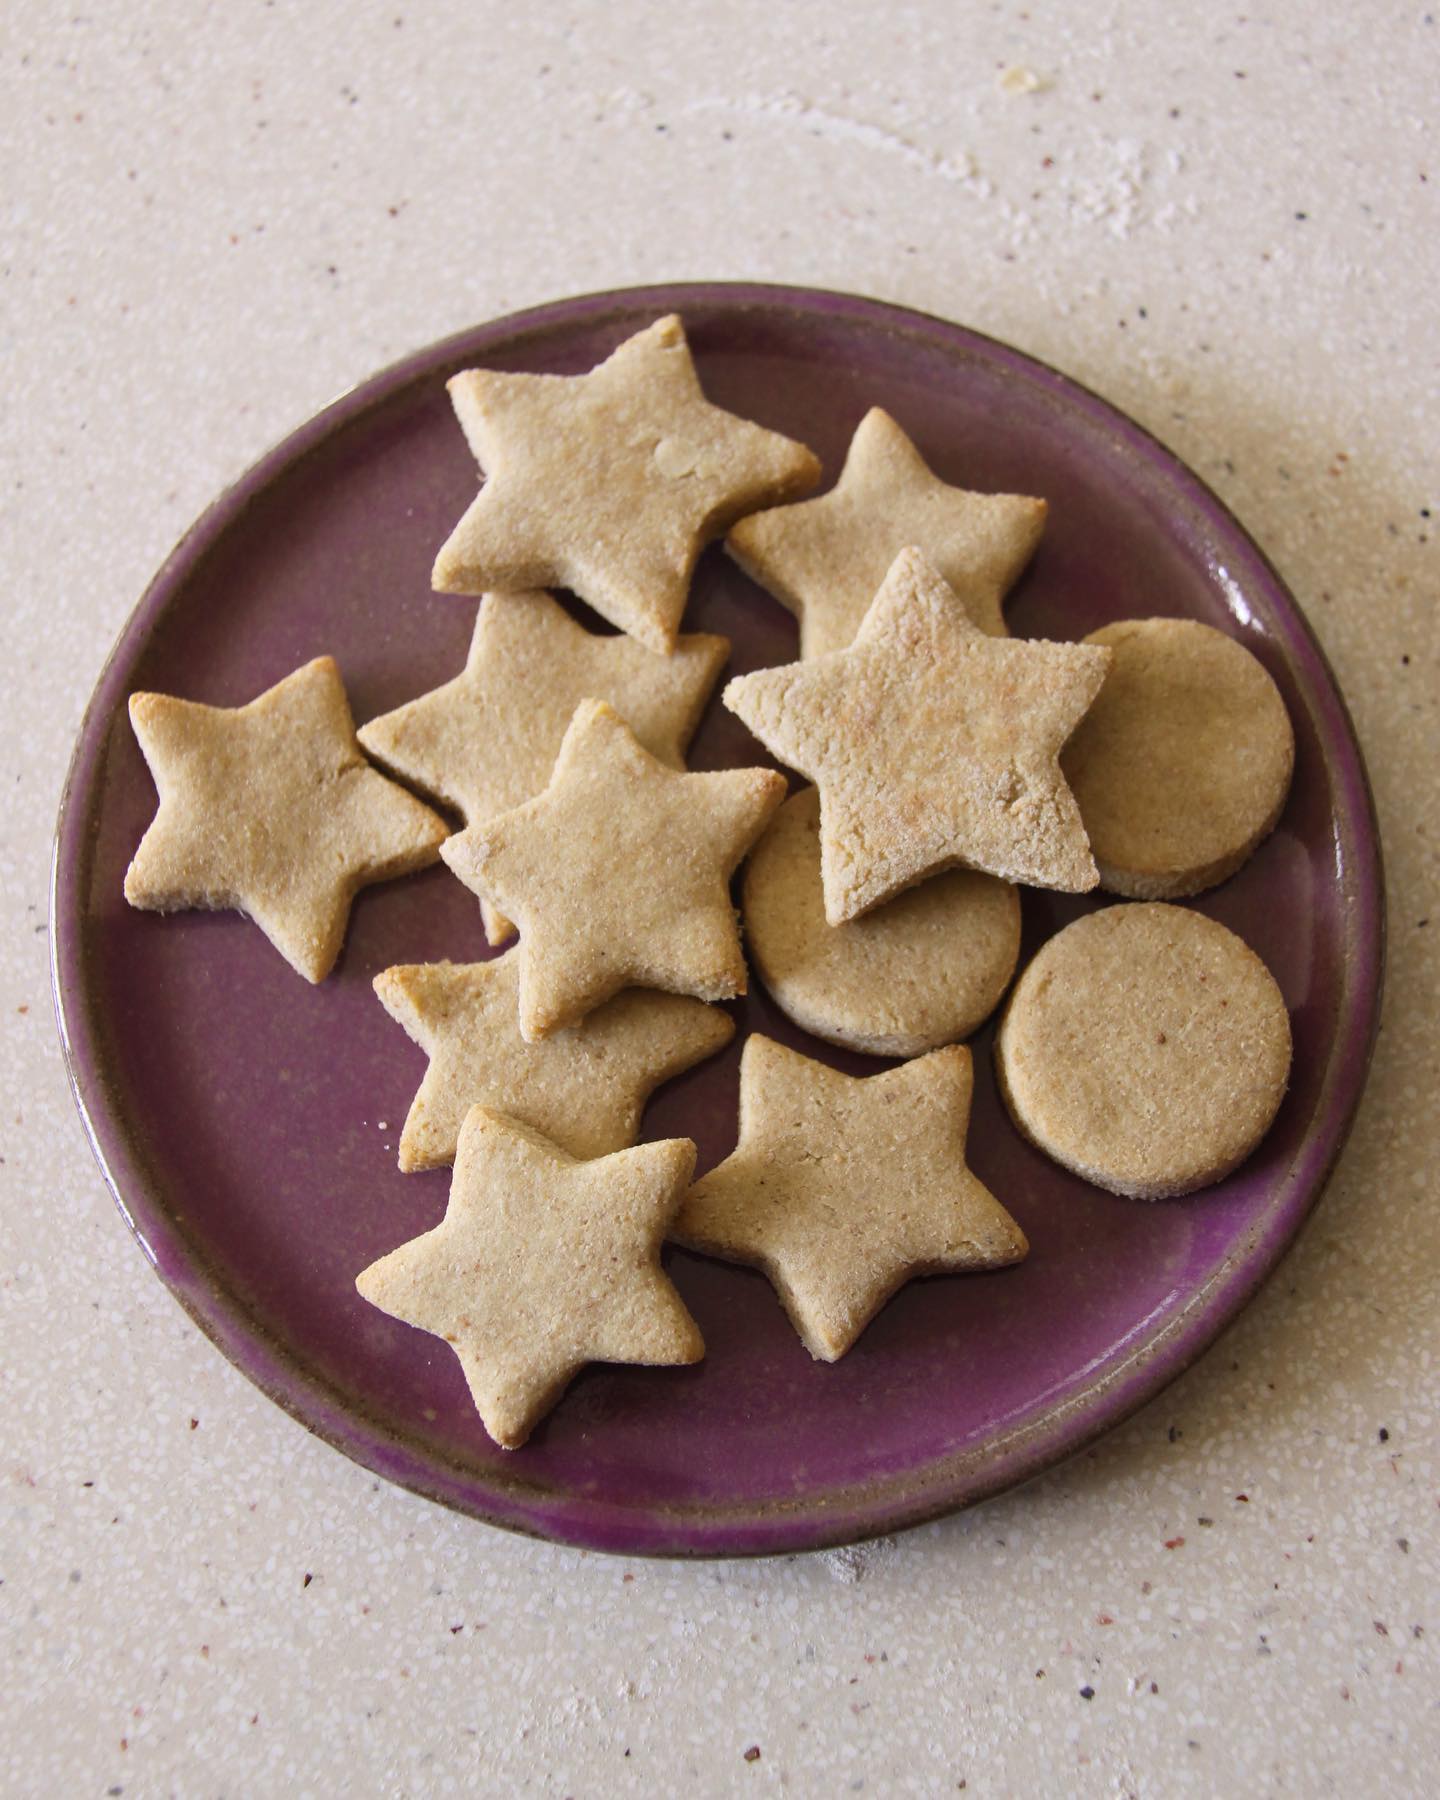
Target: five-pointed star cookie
[(825, 558), (584, 1087), (610, 483), (487, 740), (840, 1190), (271, 809), (933, 746), (541, 1264), (617, 874)]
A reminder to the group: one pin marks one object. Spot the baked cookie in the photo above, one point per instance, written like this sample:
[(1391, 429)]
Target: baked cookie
[(584, 1088), (842, 1190), (487, 740), (1182, 764), (923, 970), (825, 558), (610, 483), (1147, 1048), (933, 746), (271, 809), (542, 1264), (618, 873)]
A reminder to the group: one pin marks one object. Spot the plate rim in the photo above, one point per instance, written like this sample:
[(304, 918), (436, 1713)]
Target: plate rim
[(861, 1510)]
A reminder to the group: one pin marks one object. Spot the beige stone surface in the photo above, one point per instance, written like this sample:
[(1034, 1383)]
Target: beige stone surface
[(1225, 220)]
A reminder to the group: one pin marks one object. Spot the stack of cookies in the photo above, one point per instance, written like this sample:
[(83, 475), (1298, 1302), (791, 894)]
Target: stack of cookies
[(1145, 1047)]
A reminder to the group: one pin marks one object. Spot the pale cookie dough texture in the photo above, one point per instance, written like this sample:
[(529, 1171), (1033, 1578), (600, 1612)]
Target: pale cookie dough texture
[(925, 969), (542, 1264), (618, 873), (842, 1190), (825, 558), (487, 740), (933, 746), (1147, 1048), (1182, 765), (584, 1087), (610, 483), (270, 809)]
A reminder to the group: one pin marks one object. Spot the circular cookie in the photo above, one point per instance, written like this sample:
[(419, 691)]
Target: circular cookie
[(1146, 1048), (922, 970), (1182, 764)]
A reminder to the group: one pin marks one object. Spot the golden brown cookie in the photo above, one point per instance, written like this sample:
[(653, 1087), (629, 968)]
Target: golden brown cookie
[(271, 809), (1182, 765), (487, 740), (933, 746), (618, 873), (610, 483), (825, 558), (842, 1190), (542, 1264), (585, 1087), (923, 970), (1147, 1048)]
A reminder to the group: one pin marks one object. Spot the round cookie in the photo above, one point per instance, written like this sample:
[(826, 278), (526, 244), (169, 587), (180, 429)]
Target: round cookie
[(1146, 1048), (1182, 764), (922, 970)]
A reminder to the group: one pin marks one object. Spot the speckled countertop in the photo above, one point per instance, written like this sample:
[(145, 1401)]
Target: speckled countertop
[(1225, 220)]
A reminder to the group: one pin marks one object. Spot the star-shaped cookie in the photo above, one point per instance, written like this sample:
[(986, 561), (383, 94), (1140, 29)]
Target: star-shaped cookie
[(487, 740), (584, 1087), (610, 483), (542, 1264), (271, 809), (825, 558), (933, 746), (841, 1190), (617, 874)]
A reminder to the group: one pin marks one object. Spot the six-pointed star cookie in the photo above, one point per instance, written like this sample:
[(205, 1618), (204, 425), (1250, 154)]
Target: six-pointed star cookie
[(825, 558), (585, 1087), (270, 808), (933, 746), (541, 1264), (840, 1190), (617, 874), (487, 740), (609, 483)]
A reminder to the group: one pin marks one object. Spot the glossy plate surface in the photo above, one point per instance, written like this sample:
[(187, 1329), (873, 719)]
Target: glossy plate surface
[(247, 1121)]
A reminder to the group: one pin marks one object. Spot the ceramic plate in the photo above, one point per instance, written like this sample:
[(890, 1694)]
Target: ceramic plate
[(247, 1122)]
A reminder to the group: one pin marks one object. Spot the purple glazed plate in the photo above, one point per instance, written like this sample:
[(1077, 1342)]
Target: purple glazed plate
[(247, 1122)]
